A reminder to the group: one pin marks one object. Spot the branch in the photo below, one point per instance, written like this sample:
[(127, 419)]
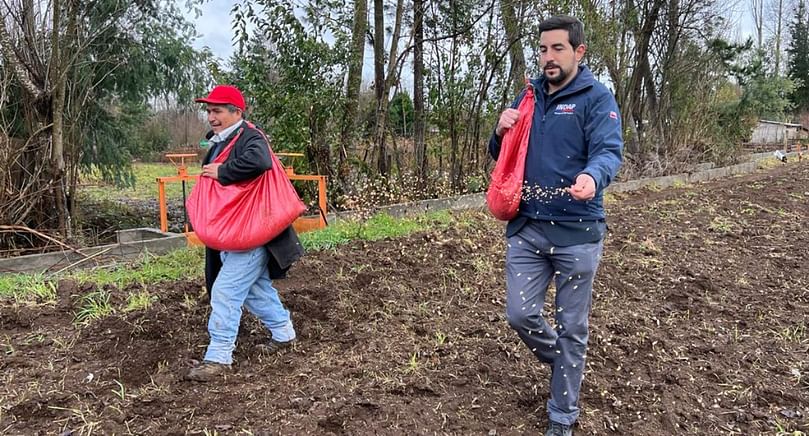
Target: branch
[(12, 59), (15, 229), (407, 50), (79, 262)]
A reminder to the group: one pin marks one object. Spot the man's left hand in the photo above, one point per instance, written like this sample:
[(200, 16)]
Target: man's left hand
[(211, 170), (584, 189)]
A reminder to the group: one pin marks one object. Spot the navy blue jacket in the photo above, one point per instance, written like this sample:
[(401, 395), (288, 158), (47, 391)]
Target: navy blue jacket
[(576, 130)]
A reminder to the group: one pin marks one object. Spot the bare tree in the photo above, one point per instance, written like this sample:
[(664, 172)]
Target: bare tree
[(379, 79), (354, 82), (777, 13), (384, 80), (420, 146), (514, 39), (41, 69), (757, 12)]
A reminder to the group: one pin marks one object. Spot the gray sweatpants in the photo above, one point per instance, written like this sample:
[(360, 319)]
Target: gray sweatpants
[(531, 262)]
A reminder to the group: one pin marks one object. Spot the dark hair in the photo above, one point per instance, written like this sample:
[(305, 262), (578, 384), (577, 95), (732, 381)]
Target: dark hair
[(574, 27), (232, 108)]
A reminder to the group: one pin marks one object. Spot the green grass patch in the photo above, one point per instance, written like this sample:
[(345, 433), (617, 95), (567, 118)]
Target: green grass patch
[(149, 269), (679, 184), (145, 187), (176, 265), (380, 226), (27, 286), (189, 263)]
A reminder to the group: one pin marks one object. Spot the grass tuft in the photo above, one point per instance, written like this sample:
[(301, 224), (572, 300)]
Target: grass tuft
[(139, 301), (95, 305)]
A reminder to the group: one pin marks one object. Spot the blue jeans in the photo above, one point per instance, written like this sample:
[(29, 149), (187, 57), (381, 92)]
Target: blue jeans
[(531, 263), (244, 281)]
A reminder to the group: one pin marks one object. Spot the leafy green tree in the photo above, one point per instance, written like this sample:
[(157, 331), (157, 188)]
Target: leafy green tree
[(293, 75), (798, 65), (758, 94), (104, 62), (402, 114)]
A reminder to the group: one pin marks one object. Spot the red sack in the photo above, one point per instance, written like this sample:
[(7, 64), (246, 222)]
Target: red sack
[(245, 215), (505, 188)]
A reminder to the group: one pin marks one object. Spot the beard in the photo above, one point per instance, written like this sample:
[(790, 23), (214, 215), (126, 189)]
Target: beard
[(560, 76)]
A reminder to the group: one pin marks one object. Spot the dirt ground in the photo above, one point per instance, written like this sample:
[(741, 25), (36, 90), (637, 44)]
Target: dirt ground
[(699, 326)]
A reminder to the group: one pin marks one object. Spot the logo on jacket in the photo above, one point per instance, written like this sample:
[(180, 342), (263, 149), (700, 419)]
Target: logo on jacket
[(613, 115), (565, 109)]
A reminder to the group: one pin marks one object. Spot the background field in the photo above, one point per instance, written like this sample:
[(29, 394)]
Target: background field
[(699, 326)]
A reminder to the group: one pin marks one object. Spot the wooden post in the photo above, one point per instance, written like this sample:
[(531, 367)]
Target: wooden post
[(321, 191), (161, 200)]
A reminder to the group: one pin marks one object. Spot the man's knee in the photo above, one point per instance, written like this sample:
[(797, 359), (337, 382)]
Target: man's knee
[(519, 318)]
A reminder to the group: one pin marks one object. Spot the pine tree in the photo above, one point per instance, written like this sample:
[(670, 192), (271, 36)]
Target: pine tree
[(799, 58)]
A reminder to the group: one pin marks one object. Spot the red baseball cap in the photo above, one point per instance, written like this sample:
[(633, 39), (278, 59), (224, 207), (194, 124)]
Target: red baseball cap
[(224, 94)]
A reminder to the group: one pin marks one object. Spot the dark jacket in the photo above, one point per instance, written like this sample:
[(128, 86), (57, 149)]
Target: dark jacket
[(249, 158), (576, 130)]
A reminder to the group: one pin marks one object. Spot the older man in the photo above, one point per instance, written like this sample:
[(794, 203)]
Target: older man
[(241, 278)]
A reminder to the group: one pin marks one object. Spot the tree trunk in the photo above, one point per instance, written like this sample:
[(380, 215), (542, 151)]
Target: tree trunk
[(514, 41), (418, 91), (380, 130), (317, 150), (475, 126), (353, 87), (379, 84), (10, 58), (43, 167), (778, 37), (758, 22), (635, 99), (454, 161), (58, 83)]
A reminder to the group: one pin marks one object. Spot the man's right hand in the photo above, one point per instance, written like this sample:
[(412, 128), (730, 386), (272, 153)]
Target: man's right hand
[(508, 119)]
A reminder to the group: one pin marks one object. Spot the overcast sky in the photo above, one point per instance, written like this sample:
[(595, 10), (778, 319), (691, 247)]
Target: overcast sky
[(215, 29), (216, 32)]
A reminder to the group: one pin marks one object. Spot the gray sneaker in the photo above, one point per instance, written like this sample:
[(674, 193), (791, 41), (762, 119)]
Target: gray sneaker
[(558, 429)]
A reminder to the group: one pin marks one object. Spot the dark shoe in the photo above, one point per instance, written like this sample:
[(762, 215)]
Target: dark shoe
[(207, 371), (274, 347), (557, 429)]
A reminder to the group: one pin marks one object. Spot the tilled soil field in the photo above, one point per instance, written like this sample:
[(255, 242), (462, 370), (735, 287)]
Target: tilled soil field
[(700, 325)]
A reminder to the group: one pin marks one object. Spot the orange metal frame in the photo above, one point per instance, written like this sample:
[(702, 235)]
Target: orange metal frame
[(305, 224), (302, 224)]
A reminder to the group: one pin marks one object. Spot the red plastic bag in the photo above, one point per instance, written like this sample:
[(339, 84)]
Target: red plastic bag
[(243, 216), (505, 188)]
